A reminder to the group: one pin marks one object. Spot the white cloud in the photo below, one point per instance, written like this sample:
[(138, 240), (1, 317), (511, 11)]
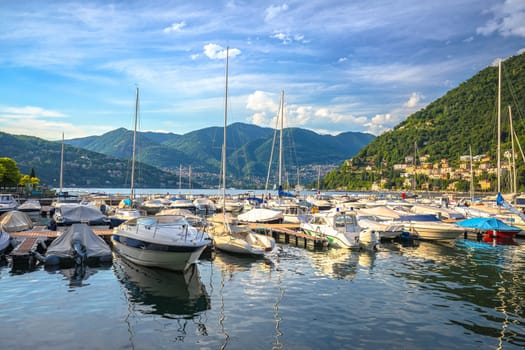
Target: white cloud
[(342, 59), (175, 27), (29, 112), (414, 99), (287, 38), (508, 20), (215, 51), (272, 11)]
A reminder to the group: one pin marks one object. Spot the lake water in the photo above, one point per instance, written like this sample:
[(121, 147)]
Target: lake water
[(428, 296)]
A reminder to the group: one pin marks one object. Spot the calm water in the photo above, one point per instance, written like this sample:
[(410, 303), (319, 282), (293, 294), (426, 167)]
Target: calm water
[(428, 296)]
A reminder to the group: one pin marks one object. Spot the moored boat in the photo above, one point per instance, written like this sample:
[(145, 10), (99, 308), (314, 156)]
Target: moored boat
[(164, 241), (342, 229), (78, 244)]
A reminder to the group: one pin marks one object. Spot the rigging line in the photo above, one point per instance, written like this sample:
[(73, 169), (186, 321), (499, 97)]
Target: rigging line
[(271, 152)]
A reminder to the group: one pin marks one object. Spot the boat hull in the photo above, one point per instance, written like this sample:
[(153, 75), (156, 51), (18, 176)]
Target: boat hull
[(434, 233), (175, 258)]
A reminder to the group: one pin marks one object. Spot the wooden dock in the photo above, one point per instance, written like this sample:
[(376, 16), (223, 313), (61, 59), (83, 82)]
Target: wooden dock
[(291, 234)]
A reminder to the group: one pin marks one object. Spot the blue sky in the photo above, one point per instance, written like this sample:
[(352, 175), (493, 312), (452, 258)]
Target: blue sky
[(350, 65)]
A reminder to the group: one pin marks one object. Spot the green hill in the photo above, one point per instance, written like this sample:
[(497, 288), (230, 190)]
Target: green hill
[(464, 117)]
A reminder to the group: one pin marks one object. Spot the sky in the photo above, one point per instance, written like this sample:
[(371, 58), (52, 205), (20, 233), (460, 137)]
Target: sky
[(364, 66)]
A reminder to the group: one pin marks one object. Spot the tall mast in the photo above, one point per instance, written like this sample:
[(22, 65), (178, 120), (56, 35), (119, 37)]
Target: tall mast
[(133, 155), (224, 136), (499, 127), (62, 164), (513, 161), (471, 176), (281, 116)]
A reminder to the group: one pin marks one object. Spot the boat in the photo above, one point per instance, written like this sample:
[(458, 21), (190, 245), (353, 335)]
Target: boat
[(492, 227), (164, 241), (430, 227), (262, 215), (153, 206), (78, 244), (121, 215), (5, 240), (16, 221), (31, 207), (8, 202), (342, 230), (182, 203), (204, 205), (68, 214), (233, 237), (386, 229), (228, 234)]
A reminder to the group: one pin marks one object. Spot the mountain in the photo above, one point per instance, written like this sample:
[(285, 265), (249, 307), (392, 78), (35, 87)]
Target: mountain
[(82, 168), (104, 161), (248, 150), (465, 116)]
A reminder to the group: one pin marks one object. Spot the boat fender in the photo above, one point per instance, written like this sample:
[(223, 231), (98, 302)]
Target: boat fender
[(39, 257), (51, 260)]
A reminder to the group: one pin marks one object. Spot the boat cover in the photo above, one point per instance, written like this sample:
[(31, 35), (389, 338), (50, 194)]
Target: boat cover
[(16, 221), (260, 215), (75, 237), (71, 214), (491, 224)]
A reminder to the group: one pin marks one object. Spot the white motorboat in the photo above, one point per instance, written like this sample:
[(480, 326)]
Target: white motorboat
[(429, 227), (341, 229), (121, 215), (31, 207), (7, 203), (181, 203), (232, 237), (204, 205), (262, 215), (164, 241)]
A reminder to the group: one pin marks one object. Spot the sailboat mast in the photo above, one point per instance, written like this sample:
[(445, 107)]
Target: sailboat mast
[(62, 164), (224, 136), (471, 176), (281, 116), (499, 128), (133, 155), (513, 161)]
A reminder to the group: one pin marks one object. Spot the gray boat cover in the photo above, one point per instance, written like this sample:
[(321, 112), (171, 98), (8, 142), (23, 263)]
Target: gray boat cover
[(81, 235), (77, 213), (16, 221)]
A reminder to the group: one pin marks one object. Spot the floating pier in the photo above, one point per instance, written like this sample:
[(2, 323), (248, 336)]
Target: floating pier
[(290, 234)]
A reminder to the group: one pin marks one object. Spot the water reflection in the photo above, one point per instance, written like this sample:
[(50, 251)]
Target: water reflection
[(167, 293), (483, 278), (336, 263), (77, 275)]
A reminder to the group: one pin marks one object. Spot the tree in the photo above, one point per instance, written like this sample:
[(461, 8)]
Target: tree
[(11, 176)]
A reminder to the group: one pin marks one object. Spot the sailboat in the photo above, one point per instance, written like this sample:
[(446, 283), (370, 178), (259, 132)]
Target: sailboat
[(164, 241), (228, 234), (293, 211), (126, 210)]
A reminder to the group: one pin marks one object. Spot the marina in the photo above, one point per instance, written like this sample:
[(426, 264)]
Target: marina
[(464, 293)]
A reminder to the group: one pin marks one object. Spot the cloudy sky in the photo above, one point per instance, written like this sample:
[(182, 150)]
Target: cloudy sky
[(354, 65)]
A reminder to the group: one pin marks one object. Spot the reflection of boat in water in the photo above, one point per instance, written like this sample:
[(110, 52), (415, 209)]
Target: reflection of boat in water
[(166, 292), (78, 274), (336, 263)]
